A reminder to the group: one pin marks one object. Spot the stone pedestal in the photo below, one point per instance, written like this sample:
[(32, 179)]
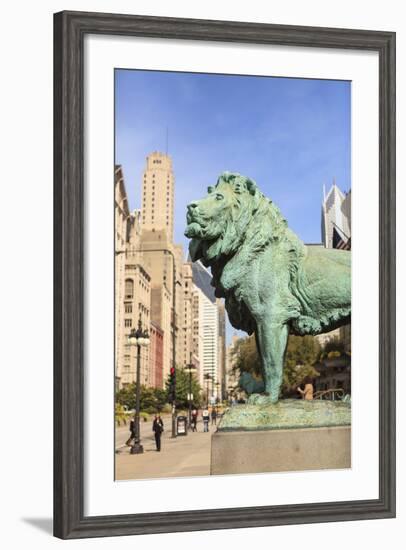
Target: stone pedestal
[(243, 452)]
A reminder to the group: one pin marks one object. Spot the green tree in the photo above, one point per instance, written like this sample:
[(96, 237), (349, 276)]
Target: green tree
[(161, 397), (126, 397), (245, 357), (151, 399), (302, 353), (182, 389), (334, 347), (148, 401), (120, 414)]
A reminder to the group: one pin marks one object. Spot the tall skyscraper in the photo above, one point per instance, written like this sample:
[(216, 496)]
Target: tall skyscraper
[(335, 217), (132, 289), (157, 201), (336, 233), (163, 259), (121, 215), (205, 338), (158, 262), (173, 298), (222, 345), (208, 325), (186, 316)]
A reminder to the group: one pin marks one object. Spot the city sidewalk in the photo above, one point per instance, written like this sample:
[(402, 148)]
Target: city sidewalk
[(123, 431), (182, 456)]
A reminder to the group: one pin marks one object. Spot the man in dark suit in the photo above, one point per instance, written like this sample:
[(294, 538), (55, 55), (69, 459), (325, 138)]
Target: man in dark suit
[(158, 428)]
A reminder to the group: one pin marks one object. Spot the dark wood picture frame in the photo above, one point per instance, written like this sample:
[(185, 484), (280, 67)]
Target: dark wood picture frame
[(70, 29)]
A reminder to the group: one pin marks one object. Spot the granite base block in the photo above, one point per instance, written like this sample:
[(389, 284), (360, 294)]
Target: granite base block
[(244, 452)]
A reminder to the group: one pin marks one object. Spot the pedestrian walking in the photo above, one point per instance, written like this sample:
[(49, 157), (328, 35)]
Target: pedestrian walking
[(194, 420), (158, 428), (206, 418), (214, 416), (130, 441)]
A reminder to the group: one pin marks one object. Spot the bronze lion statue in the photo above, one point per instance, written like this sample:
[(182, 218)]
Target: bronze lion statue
[(272, 283)]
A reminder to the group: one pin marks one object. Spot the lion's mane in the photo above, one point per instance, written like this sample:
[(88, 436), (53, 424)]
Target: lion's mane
[(252, 225)]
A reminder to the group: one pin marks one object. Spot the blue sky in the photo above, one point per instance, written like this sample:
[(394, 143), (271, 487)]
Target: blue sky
[(290, 135)]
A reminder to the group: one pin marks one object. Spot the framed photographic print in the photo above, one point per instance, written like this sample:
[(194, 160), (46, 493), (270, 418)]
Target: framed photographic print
[(224, 274)]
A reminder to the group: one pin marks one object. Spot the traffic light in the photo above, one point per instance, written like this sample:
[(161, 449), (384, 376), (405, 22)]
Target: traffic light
[(172, 384)]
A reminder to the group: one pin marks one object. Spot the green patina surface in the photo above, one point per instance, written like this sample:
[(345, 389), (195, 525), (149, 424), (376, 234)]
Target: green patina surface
[(272, 283), (286, 414)]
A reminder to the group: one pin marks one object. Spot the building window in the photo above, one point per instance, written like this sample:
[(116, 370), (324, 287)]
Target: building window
[(127, 358), (129, 288), (128, 322), (128, 308)]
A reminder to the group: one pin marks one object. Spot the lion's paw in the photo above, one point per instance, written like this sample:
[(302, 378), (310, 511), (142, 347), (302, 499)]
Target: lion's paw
[(260, 399)]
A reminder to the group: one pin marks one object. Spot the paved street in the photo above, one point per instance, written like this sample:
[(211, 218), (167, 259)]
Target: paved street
[(183, 456)]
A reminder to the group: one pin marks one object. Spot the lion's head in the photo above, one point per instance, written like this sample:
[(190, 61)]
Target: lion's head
[(234, 212)]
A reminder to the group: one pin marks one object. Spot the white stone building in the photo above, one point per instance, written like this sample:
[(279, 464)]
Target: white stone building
[(336, 233), (121, 215), (335, 216)]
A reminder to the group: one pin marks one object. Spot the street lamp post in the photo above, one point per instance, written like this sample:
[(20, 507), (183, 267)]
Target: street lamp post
[(207, 378), (138, 338), (217, 391), (190, 369)]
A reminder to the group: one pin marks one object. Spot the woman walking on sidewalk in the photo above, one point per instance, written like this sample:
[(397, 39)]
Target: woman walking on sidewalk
[(158, 428), (206, 418)]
